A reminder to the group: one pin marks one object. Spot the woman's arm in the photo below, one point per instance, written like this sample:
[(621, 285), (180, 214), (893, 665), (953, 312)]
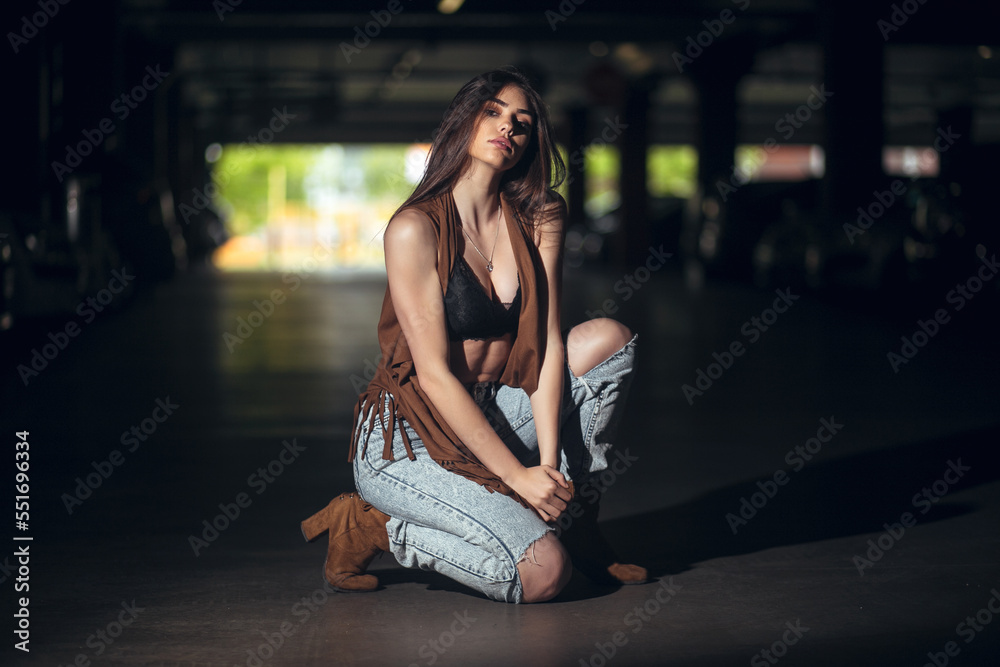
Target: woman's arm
[(411, 265), (547, 399)]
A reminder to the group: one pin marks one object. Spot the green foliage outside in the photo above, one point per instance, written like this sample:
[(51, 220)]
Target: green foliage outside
[(315, 177), (241, 174), (749, 159), (320, 176), (602, 165), (671, 171)]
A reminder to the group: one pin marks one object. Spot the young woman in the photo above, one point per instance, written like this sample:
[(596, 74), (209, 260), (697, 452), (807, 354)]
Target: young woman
[(490, 418)]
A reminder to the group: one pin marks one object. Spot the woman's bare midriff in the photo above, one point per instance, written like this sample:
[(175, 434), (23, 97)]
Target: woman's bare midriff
[(480, 360)]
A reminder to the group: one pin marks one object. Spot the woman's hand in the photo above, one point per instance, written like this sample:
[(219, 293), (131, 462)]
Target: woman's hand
[(545, 488)]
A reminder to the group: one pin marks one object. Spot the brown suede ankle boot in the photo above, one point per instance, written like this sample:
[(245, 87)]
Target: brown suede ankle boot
[(357, 535), (590, 551)]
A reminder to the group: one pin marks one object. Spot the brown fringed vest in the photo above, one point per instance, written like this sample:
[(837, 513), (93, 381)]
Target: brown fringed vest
[(396, 380)]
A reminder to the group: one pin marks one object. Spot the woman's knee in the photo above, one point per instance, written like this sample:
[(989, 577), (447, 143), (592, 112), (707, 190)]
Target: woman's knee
[(545, 569), (593, 341)]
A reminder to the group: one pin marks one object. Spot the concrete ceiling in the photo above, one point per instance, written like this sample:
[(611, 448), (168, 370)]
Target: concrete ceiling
[(236, 65)]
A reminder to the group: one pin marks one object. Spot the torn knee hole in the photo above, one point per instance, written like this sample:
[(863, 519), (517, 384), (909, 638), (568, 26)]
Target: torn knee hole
[(529, 555)]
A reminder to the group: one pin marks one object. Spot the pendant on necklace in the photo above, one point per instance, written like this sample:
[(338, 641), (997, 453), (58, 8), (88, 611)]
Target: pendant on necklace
[(489, 267)]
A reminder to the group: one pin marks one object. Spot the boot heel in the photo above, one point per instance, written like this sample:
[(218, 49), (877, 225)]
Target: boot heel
[(315, 525), (357, 534)]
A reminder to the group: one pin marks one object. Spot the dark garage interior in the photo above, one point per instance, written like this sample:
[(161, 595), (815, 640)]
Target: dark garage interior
[(788, 200)]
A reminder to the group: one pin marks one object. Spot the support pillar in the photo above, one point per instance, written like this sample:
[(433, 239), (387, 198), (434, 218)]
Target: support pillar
[(576, 174), (715, 75), (853, 73), (632, 242)]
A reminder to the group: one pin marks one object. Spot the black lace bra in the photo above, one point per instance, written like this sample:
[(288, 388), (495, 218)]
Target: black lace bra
[(471, 313)]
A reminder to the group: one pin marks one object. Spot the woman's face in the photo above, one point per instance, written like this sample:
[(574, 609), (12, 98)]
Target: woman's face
[(505, 130)]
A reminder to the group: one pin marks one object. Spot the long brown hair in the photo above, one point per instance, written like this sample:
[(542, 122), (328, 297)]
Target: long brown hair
[(527, 185)]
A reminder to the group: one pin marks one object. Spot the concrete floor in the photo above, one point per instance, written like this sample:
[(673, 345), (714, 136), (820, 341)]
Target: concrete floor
[(117, 577)]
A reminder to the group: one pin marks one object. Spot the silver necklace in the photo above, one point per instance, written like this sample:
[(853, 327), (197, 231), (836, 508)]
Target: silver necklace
[(489, 261)]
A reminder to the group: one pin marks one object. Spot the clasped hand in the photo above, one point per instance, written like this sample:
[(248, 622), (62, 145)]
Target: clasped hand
[(545, 489)]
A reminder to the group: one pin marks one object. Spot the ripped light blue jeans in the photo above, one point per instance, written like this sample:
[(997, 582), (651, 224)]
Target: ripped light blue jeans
[(444, 522)]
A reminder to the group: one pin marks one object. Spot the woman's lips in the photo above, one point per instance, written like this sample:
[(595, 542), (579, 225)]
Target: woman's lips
[(501, 143)]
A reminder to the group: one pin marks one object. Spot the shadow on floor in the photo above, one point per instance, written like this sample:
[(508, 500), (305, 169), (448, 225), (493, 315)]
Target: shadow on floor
[(852, 496)]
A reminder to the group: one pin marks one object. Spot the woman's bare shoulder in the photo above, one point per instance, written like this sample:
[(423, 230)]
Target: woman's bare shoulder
[(551, 219), (409, 226), (554, 205)]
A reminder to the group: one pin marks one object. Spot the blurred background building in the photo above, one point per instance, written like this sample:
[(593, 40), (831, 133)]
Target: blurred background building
[(802, 142), (191, 213)]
